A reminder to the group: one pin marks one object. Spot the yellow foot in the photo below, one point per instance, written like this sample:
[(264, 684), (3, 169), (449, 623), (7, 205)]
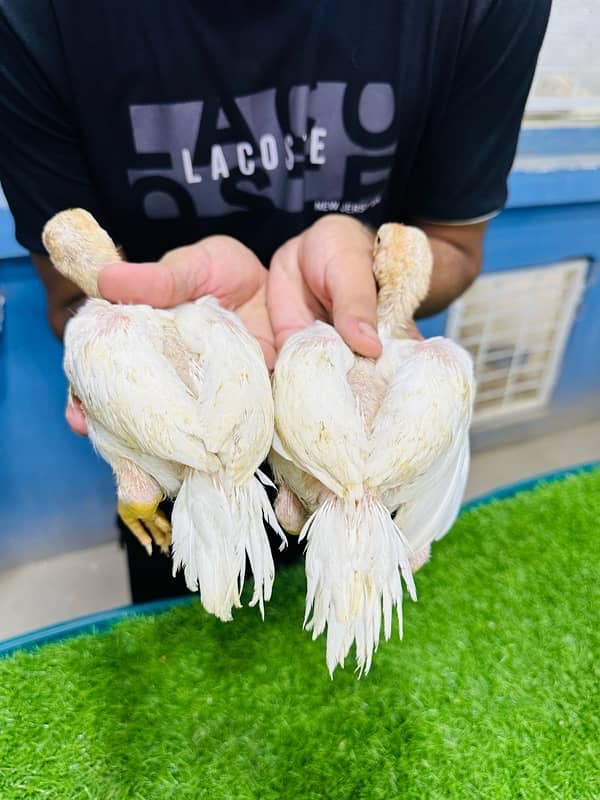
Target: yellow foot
[(146, 523)]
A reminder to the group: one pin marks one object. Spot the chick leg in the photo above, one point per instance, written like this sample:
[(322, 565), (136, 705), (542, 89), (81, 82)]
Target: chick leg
[(139, 495), (290, 480), (289, 510)]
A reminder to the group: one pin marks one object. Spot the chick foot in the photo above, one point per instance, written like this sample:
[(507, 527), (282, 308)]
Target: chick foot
[(147, 523), (139, 496)]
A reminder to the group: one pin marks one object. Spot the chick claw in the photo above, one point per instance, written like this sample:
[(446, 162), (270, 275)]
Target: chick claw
[(143, 519)]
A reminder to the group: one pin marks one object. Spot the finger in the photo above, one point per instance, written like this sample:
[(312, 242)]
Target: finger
[(354, 304), (290, 305), (74, 415), (219, 266), (336, 259)]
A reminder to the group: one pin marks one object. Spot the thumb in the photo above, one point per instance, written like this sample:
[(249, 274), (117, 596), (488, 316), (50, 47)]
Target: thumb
[(354, 304), (218, 265), (337, 262)]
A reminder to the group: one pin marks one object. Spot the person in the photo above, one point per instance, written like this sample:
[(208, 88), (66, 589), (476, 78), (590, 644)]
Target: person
[(216, 140)]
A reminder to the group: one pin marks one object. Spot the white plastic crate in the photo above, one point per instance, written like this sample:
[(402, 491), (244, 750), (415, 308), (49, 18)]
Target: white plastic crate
[(515, 324)]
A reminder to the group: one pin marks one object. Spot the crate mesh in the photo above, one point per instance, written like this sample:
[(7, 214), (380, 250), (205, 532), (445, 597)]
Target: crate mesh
[(515, 325)]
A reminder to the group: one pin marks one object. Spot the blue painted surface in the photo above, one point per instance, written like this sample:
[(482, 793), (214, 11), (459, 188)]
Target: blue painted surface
[(580, 374), (559, 141), (553, 188), (542, 235), (9, 247), (434, 326), (56, 495), (104, 620), (562, 183)]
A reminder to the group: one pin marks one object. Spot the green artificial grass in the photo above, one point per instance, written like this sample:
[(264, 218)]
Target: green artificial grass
[(492, 694)]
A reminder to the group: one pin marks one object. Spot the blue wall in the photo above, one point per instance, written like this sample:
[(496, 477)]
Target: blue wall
[(55, 493)]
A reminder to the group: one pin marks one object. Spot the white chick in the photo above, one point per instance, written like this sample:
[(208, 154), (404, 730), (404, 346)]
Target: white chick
[(179, 403), (371, 457)]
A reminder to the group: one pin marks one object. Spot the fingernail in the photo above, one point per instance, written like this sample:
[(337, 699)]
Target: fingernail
[(368, 330)]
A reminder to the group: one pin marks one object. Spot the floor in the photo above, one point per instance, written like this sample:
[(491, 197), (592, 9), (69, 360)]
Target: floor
[(44, 592)]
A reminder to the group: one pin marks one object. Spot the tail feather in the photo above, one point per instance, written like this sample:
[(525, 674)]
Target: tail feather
[(250, 507), (215, 525), (207, 544), (356, 559)]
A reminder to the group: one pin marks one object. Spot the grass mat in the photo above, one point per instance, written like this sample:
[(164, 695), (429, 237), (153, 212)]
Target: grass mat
[(492, 694)]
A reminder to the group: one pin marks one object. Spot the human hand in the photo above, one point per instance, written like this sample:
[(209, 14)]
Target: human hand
[(326, 273), (218, 265)]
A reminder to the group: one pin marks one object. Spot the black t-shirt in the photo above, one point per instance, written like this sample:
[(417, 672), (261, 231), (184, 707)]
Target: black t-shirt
[(174, 119)]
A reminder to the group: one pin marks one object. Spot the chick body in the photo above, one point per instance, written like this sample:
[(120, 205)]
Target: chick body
[(178, 401), (376, 453)]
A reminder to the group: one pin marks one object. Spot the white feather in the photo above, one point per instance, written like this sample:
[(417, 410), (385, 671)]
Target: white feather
[(410, 459), (216, 524), (115, 362), (355, 559), (233, 389), (208, 543), (251, 505), (317, 417), (173, 395), (185, 391), (168, 474)]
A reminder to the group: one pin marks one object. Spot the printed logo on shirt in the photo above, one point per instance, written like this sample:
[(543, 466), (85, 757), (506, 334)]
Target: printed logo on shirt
[(329, 147)]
